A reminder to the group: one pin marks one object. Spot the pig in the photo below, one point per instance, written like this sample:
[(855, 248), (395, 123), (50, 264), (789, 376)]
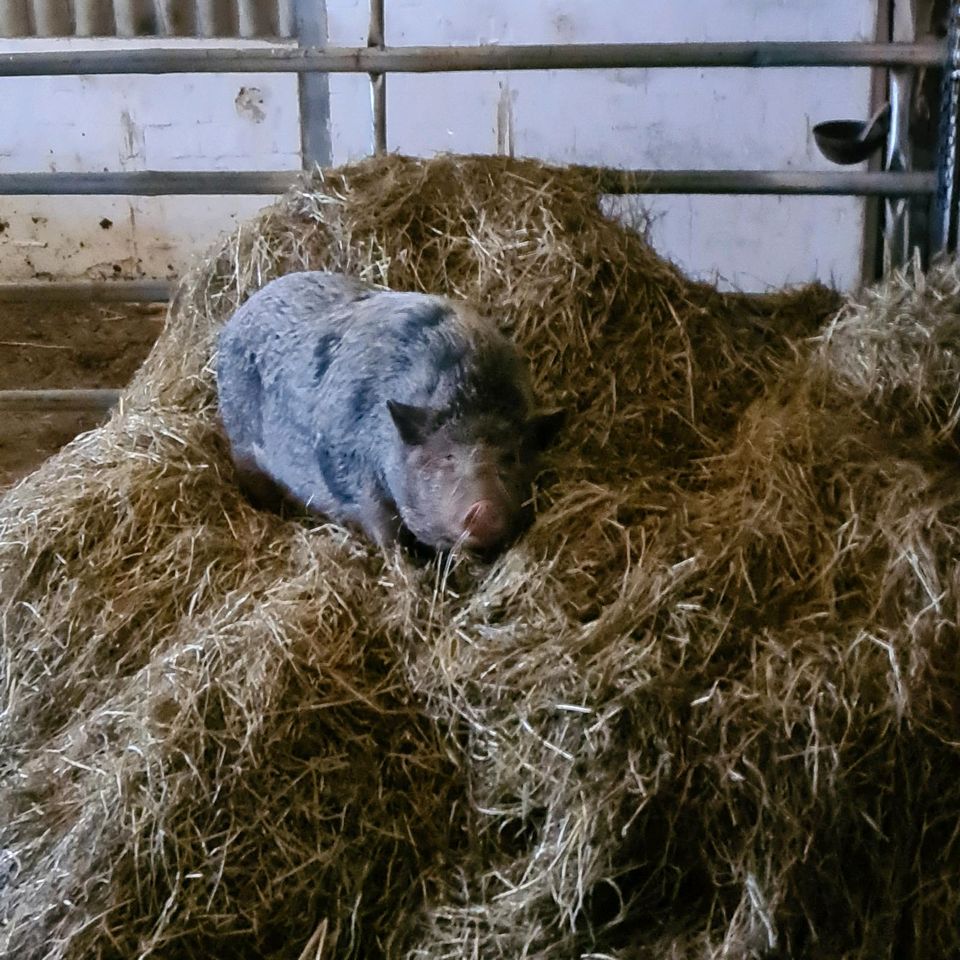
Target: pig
[(402, 414)]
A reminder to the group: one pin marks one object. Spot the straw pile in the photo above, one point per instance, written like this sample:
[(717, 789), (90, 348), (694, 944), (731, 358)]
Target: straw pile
[(707, 707)]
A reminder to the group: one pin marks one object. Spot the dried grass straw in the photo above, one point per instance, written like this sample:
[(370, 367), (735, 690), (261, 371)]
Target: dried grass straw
[(707, 707)]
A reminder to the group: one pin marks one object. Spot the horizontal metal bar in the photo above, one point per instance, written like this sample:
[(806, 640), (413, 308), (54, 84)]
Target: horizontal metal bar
[(610, 181), (97, 401), (486, 57), (759, 182), (123, 291), (147, 183)]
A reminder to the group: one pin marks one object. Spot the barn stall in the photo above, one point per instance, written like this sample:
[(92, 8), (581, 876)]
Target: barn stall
[(706, 706)]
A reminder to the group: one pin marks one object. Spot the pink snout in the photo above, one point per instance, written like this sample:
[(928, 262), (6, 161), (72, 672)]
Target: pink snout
[(484, 524)]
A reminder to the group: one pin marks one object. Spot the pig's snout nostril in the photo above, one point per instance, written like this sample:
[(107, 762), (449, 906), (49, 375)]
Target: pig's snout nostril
[(484, 523)]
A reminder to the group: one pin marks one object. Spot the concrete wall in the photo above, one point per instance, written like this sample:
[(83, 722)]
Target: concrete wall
[(634, 118)]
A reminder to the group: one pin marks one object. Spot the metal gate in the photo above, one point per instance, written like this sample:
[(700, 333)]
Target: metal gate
[(312, 61)]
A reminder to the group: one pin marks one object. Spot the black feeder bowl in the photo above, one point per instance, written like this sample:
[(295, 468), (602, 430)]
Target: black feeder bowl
[(851, 141)]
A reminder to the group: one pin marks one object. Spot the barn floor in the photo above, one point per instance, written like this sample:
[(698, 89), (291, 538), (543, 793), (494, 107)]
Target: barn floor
[(64, 345)]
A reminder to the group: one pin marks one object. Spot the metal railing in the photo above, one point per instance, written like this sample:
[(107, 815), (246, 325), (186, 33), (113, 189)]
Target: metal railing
[(797, 182), (376, 59)]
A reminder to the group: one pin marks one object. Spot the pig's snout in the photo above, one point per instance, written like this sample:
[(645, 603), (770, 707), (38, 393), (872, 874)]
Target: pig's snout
[(485, 524)]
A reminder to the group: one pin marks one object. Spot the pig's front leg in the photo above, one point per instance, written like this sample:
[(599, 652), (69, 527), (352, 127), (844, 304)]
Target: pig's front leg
[(379, 519)]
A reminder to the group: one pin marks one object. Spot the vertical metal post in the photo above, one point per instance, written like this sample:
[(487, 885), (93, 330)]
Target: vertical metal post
[(944, 227), (286, 21), (378, 81), (310, 19), (899, 230), (898, 240), (871, 262)]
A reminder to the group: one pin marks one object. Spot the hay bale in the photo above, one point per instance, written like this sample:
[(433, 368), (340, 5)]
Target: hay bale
[(705, 707)]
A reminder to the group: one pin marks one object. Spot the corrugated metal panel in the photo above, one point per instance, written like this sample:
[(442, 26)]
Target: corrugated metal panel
[(260, 19)]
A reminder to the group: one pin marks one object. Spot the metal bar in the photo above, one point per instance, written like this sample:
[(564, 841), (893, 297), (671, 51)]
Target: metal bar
[(154, 184), (52, 400), (147, 183), (378, 100), (122, 291), (759, 182), (897, 239), (947, 209), (482, 58), (378, 81), (286, 18), (375, 32), (313, 89), (872, 246)]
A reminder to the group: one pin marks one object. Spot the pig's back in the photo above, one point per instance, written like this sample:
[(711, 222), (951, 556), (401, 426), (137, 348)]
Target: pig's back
[(307, 365), (262, 345)]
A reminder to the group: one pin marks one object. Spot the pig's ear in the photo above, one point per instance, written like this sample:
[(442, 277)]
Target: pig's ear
[(413, 423), (543, 427)]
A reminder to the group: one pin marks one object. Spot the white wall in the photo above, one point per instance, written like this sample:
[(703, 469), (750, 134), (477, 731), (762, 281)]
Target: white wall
[(630, 118), (642, 118), (129, 123)]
